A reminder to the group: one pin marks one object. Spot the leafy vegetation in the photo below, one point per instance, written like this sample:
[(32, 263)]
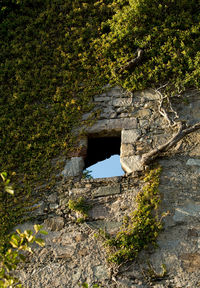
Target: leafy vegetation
[(55, 55), (12, 247), (141, 228), (168, 34), (85, 285), (13, 254), (87, 174), (81, 206), (48, 78)]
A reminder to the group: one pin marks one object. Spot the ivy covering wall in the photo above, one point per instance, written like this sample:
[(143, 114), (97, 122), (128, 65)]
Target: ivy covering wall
[(57, 54)]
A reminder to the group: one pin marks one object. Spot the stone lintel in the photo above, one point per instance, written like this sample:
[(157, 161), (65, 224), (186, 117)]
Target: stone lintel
[(107, 190), (110, 125)]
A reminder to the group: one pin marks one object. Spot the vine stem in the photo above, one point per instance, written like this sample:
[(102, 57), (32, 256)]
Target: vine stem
[(182, 132)]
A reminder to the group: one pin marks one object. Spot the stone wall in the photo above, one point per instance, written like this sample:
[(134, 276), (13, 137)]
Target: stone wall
[(133, 117), (73, 255)]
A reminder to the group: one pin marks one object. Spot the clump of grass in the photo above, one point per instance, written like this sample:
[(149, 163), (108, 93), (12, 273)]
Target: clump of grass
[(81, 206)]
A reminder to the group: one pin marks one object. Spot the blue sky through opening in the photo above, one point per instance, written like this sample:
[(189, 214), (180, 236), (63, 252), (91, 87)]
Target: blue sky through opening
[(107, 168)]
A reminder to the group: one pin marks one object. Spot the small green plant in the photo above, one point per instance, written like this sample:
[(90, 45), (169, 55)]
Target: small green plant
[(5, 181), (81, 206), (87, 174), (150, 274), (85, 285), (12, 247), (13, 254), (141, 228)]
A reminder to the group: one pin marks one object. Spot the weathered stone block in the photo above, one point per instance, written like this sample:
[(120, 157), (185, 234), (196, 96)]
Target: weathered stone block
[(115, 91), (98, 212), (144, 113), (101, 98), (98, 127), (122, 123), (130, 136), (127, 150), (52, 198), (107, 190), (54, 224), (148, 94), (73, 167), (67, 252), (190, 209), (110, 227), (122, 102), (131, 164), (193, 162)]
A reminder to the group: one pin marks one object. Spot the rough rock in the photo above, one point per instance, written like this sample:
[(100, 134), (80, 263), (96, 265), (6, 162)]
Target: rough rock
[(130, 136), (107, 190), (55, 223), (131, 164), (73, 255), (73, 167), (193, 162)]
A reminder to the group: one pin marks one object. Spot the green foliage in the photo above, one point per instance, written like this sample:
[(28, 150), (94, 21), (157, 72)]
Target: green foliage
[(85, 285), (48, 76), (87, 174), (12, 254), (6, 181), (81, 206), (12, 247), (55, 55), (167, 31), (141, 228), (12, 210), (151, 275)]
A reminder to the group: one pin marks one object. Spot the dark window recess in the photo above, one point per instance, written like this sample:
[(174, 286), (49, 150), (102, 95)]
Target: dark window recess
[(101, 148)]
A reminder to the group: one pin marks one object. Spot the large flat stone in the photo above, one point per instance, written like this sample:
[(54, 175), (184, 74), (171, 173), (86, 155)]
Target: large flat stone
[(55, 223), (127, 150), (110, 227), (99, 126), (193, 162), (131, 164), (122, 102), (148, 94), (113, 125), (107, 190), (73, 167), (122, 123), (190, 209), (130, 136)]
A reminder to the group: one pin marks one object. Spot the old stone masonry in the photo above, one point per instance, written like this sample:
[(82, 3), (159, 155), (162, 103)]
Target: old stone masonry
[(130, 125)]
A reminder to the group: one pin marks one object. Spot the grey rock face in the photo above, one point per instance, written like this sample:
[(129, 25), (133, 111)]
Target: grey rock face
[(108, 190), (193, 162), (131, 164), (73, 167), (130, 136), (55, 223)]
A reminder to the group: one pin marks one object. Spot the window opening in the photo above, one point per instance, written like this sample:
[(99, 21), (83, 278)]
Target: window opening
[(103, 158), (107, 168)]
